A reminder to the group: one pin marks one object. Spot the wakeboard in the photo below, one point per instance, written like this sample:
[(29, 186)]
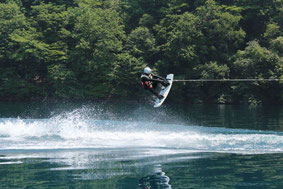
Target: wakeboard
[(164, 91)]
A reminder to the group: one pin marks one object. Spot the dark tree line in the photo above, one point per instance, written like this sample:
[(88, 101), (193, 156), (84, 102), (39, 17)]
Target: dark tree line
[(96, 49)]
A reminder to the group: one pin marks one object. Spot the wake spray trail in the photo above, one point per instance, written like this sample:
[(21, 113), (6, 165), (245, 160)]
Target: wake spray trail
[(77, 130)]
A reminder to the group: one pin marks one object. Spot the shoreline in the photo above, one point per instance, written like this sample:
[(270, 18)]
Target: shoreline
[(115, 100)]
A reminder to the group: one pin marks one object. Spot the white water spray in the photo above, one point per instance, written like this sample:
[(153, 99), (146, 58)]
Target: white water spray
[(77, 130)]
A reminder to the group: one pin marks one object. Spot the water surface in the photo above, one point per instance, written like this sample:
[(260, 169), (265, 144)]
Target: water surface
[(106, 145)]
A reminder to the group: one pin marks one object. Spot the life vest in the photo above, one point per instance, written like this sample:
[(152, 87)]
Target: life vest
[(145, 81)]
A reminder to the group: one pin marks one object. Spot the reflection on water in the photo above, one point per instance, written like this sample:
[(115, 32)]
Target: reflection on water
[(133, 169), (157, 181), (90, 168)]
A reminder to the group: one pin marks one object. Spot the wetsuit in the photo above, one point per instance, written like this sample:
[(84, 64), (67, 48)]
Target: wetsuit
[(150, 82)]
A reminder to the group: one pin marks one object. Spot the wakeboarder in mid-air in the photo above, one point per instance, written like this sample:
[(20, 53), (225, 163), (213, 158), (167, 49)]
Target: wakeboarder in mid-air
[(151, 81)]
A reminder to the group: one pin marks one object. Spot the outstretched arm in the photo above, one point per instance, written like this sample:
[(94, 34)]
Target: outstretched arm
[(158, 80), (158, 77)]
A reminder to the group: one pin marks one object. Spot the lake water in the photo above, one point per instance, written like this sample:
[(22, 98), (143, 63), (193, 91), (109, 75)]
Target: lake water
[(130, 145)]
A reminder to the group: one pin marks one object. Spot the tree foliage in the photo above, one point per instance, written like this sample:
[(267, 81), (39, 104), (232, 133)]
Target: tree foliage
[(90, 49)]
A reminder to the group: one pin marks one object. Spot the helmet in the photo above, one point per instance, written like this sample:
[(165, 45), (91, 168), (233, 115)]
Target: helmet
[(147, 70)]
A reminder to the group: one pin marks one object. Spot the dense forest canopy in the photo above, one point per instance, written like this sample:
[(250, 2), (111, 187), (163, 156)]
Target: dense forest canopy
[(97, 49)]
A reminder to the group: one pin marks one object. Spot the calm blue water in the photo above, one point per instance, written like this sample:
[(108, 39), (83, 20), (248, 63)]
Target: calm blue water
[(134, 146)]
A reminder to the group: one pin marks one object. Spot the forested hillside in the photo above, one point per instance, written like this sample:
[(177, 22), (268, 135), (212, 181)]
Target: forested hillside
[(97, 49)]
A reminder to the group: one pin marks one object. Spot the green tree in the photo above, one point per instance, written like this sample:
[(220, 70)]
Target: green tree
[(127, 76), (272, 31), (193, 43), (221, 31), (142, 13), (141, 44), (97, 48), (11, 19), (178, 36), (258, 62), (99, 36), (213, 91), (256, 14), (277, 46), (42, 43), (14, 82), (64, 82)]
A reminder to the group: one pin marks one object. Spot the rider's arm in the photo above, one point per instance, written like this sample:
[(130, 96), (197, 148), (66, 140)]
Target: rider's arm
[(156, 76), (158, 80), (154, 79)]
